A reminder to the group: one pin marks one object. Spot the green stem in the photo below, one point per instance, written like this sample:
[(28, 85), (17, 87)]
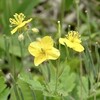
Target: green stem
[(44, 76), (81, 72), (13, 58), (28, 36), (77, 12), (45, 98), (34, 95), (6, 42), (21, 94), (16, 92), (62, 11), (58, 62), (21, 50), (78, 22)]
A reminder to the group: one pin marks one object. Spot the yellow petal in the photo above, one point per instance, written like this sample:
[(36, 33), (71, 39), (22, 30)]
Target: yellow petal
[(78, 47), (69, 43), (28, 21), (20, 26), (62, 41), (38, 60), (47, 42), (14, 30), (24, 23), (53, 53), (34, 48), (77, 40)]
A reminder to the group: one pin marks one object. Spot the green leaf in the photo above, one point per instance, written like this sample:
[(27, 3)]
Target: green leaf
[(27, 6), (25, 91), (82, 88), (4, 91), (32, 82), (67, 81), (68, 4), (6, 45)]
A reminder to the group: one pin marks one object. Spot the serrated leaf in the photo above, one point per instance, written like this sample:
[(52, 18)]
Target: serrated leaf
[(34, 83), (25, 90), (67, 81)]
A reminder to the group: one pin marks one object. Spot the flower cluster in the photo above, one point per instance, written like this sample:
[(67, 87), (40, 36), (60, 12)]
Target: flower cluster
[(43, 49)]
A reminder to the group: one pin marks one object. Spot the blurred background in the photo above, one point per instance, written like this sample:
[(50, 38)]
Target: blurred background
[(46, 14)]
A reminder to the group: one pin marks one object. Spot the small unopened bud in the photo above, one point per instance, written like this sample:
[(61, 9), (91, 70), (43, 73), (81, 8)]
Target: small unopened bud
[(86, 11), (38, 39), (58, 21), (69, 26), (21, 37), (77, 1), (35, 30)]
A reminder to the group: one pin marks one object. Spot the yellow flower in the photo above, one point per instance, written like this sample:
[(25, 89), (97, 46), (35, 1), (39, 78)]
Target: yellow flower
[(72, 40), (18, 22), (43, 50)]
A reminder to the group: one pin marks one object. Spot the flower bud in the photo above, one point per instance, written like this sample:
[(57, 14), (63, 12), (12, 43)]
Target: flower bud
[(35, 30), (21, 37)]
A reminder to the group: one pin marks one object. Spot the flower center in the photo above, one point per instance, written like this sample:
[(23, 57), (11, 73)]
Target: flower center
[(18, 19), (72, 36), (43, 51)]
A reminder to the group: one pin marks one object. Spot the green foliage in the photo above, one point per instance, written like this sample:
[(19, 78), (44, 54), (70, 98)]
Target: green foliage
[(25, 91), (54, 80), (14, 6), (65, 84), (82, 88), (4, 91), (33, 82), (11, 44), (67, 80), (68, 4)]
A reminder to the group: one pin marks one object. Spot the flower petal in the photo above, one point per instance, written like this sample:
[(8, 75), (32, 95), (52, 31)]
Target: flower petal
[(28, 21), (47, 42), (69, 43), (53, 53), (62, 41), (38, 60), (14, 30), (78, 47), (20, 26), (34, 48), (77, 40)]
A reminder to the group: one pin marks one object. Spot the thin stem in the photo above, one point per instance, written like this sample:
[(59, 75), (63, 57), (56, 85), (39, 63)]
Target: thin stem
[(58, 63), (13, 58), (88, 21), (78, 22), (44, 76), (34, 95), (16, 92), (62, 11), (21, 94), (6, 42), (94, 96), (45, 98), (21, 50), (28, 36), (77, 12), (81, 72)]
